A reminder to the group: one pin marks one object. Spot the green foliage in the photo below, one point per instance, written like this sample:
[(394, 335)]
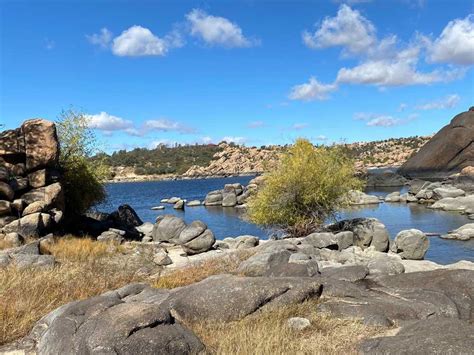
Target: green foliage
[(82, 177), (306, 187), (163, 159)]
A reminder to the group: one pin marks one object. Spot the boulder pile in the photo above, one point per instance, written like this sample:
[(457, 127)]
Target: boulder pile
[(233, 194), (31, 194)]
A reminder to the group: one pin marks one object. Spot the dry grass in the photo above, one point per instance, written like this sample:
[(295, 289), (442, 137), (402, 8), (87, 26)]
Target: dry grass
[(81, 249), (88, 268), (267, 333), (199, 271), (5, 244)]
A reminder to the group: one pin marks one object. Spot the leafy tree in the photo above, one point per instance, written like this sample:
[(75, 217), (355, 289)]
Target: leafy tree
[(307, 186), (82, 177)]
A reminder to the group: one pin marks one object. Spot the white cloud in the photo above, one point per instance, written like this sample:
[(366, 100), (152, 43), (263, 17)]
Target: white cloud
[(256, 124), (101, 39), (236, 140), (322, 138), (157, 143), (164, 125), (455, 45), (449, 101), (313, 90), (402, 107), (378, 120), (350, 2), (138, 41), (108, 123), (215, 30), (298, 126), (348, 29)]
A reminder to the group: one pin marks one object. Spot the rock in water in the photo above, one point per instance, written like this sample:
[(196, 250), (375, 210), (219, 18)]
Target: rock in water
[(448, 152)]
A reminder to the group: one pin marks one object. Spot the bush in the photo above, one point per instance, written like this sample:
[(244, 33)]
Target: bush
[(306, 187), (82, 177)]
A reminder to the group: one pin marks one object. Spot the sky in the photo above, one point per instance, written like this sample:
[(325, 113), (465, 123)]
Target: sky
[(251, 72)]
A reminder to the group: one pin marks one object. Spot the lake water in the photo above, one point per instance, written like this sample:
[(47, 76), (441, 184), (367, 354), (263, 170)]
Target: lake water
[(226, 222)]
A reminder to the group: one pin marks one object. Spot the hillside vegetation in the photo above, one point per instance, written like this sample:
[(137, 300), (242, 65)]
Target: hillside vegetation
[(230, 159)]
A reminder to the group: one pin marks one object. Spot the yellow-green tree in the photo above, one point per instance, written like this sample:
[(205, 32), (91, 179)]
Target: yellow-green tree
[(82, 177), (307, 186)]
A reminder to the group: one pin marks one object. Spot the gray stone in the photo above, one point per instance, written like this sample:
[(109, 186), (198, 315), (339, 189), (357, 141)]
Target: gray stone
[(28, 226), (298, 323), (179, 205), (192, 231), (205, 300), (465, 232), (344, 240), (146, 229), (213, 198), (23, 261), (240, 242), (173, 200), (321, 240), (425, 337), (41, 144), (361, 198), (350, 273), (385, 266), (278, 264), (117, 322), (460, 204), (447, 191), (52, 195), (35, 207), (229, 199), (200, 244), (161, 258), (393, 197), (411, 244), (13, 239), (112, 235), (194, 203), (157, 208), (168, 228)]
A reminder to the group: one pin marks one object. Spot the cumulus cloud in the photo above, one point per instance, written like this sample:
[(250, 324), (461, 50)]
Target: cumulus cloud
[(101, 39), (137, 41), (455, 45), (108, 123), (206, 140), (164, 125), (449, 101), (236, 140), (256, 124), (348, 29), (215, 30), (311, 91)]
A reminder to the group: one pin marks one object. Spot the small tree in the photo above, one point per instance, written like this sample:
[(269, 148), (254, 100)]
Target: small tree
[(83, 177), (307, 186)]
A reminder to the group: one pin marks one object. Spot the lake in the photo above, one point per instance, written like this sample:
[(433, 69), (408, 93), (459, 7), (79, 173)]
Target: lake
[(226, 222)]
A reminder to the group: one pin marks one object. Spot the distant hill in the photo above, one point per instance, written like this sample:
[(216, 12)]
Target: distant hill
[(230, 159)]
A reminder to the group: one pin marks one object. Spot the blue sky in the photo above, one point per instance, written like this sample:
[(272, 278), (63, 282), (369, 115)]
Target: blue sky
[(255, 72)]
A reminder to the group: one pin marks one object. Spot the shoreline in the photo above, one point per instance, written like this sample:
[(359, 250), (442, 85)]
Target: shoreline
[(151, 178)]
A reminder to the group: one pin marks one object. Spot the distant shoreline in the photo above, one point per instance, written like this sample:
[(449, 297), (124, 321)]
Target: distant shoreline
[(146, 178)]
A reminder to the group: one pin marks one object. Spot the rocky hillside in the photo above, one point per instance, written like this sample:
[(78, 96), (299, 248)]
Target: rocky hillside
[(448, 152)]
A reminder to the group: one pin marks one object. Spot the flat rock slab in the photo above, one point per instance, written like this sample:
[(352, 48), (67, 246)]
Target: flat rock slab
[(228, 298), (427, 336), (404, 297)]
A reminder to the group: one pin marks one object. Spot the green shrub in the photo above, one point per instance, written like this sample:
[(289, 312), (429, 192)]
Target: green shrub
[(82, 177), (306, 187)]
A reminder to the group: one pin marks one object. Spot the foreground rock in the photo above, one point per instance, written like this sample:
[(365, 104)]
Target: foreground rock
[(137, 319), (411, 244), (26, 256), (448, 152)]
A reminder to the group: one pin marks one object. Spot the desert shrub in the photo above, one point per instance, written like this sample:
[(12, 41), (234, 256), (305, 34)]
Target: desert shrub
[(82, 177), (306, 187)]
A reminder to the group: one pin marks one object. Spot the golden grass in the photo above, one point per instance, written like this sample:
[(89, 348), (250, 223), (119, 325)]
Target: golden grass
[(29, 294), (267, 333), (201, 270), (5, 244), (80, 249)]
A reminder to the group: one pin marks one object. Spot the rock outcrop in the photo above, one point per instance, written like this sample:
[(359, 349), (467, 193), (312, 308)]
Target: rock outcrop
[(31, 194), (448, 152)]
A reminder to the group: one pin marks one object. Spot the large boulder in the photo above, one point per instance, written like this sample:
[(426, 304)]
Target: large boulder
[(427, 336), (213, 198), (411, 244), (52, 195), (229, 199), (367, 232), (228, 298), (117, 322), (41, 144), (361, 198), (448, 152), (32, 225), (168, 229), (459, 204), (126, 219), (196, 238), (240, 242), (279, 263), (465, 232)]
